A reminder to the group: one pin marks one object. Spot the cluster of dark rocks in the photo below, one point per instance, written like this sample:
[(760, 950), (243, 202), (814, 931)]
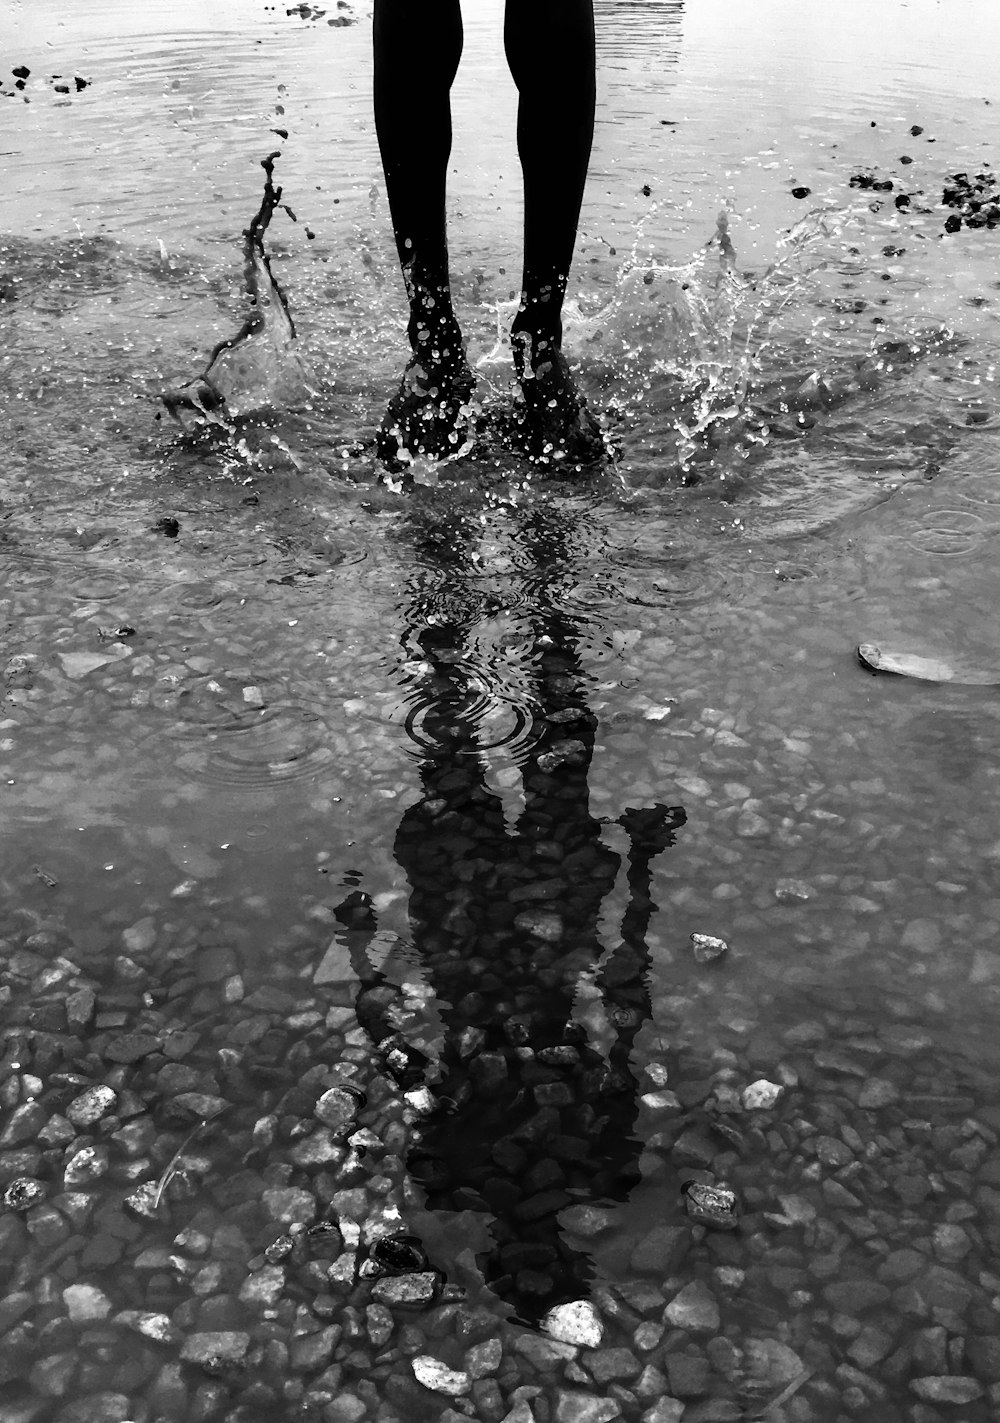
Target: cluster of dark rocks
[(975, 201), (63, 84), (207, 1213)]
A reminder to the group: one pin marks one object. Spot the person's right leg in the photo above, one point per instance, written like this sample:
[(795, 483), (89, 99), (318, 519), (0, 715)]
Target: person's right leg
[(418, 44), (551, 53)]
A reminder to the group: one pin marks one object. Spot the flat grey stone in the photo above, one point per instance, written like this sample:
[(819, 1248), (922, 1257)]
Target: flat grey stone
[(661, 1250), (693, 1308), (215, 1347), (877, 1092), (613, 1365), (407, 1291), (665, 1410), (79, 664), (545, 1354), (947, 1388), (92, 1105), (337, 1109), (311, 1352), (86, 1303), (141, 935), (197, 1106), (131, 1047), (86, 1165), (574, 1407), (24, 1124), (772, 1362), (484, 1359), (22, 1193), (158, 1327), (586, 1220), (438, 1377), (574, 1323), (290, 1204), (951, 1243), (689, 1375), (97, 1408), (855, 1296)]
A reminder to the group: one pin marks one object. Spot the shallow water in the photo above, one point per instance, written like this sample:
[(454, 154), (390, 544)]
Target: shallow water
[(244, 680)]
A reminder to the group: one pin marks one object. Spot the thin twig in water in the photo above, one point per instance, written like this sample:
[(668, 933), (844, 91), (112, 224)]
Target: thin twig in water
[(783, 1396), (170, 1170)]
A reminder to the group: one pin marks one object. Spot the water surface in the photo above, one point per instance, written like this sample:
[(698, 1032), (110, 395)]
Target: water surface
[(246, 680)]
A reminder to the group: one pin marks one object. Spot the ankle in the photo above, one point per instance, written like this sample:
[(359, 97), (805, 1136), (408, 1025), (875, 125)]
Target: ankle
[(534, 350), (436, 338)]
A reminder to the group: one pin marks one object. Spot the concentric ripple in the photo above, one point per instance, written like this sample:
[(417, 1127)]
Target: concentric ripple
[(950, 532), (488, 723), (286, 742)]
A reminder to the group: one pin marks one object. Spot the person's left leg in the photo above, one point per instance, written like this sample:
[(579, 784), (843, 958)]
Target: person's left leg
[(418, 44)]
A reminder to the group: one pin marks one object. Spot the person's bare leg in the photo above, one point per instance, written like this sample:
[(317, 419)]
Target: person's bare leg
[(551, 53), (418, 44)]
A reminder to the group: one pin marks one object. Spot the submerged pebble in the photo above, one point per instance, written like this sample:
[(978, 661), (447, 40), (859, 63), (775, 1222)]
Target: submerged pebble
[(707, 947)]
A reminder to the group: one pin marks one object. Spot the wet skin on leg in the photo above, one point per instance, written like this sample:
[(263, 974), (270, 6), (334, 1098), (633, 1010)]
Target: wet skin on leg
[(417, 49), (551, 54), (550, 50)]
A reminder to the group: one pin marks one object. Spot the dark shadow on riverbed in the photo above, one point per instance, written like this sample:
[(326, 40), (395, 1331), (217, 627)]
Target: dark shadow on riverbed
[(530, 1115)]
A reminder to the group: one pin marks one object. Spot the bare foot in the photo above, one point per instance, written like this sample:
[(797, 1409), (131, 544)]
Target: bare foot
[(560, 428), (429, 414)]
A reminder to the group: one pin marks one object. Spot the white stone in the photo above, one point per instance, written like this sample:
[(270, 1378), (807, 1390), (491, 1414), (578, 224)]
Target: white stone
[(158, 1327), (707, 947), (86, 1165), (665, 1101), (421, 1099), (575, 1323), (91, 1105), (435, 1375), (86, 1303), (337, 1109), (791, 891), (761, 1095)]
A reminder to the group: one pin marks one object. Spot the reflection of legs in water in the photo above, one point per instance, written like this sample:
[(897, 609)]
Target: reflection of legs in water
[(417, 49), (550, 50), (531, 1116)]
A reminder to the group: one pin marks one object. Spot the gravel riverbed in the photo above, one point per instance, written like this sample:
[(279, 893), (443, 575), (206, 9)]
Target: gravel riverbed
[(197, 1178)]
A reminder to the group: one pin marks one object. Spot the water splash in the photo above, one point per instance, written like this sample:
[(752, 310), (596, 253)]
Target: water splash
[(685, 349), (260, 365)]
